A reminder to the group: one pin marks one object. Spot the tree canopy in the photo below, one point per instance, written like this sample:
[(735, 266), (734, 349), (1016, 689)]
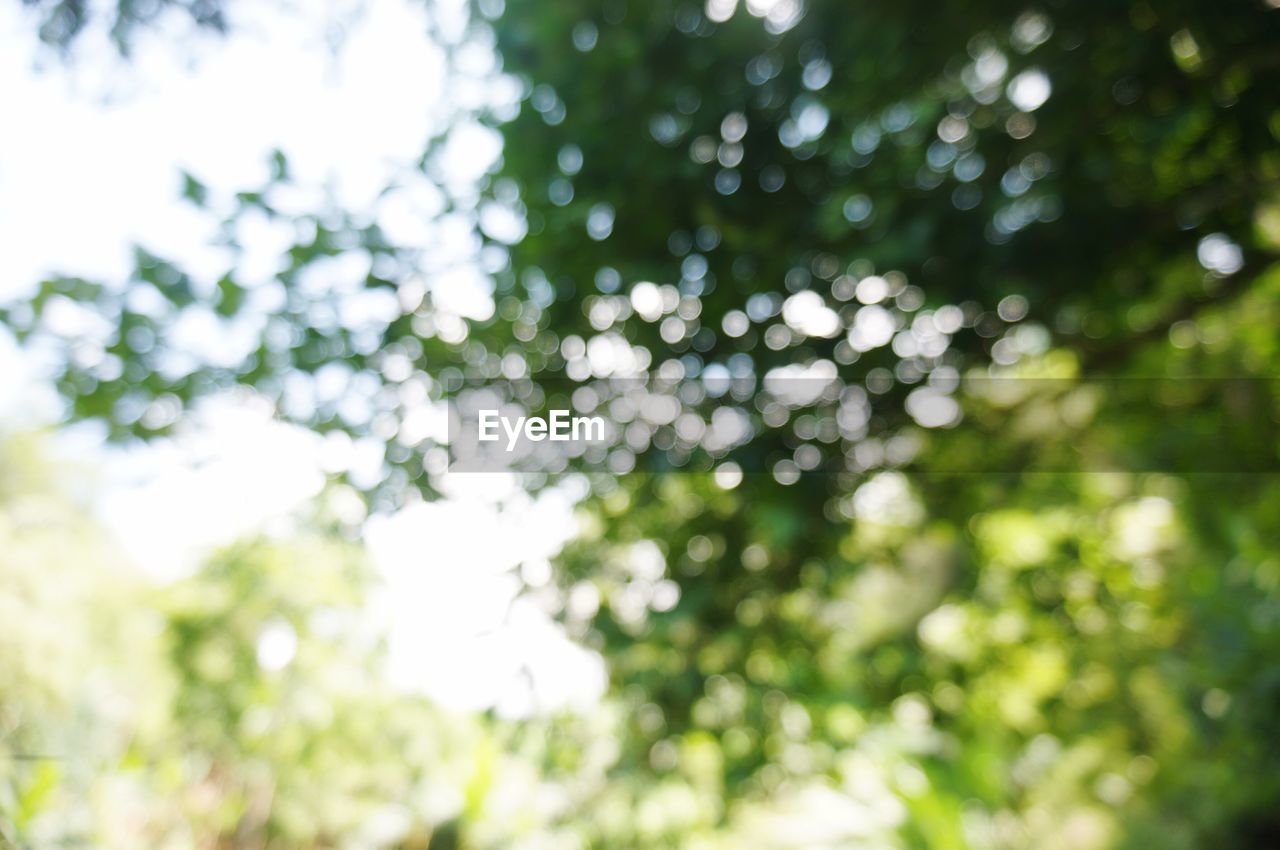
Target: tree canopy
[(1006, 576)]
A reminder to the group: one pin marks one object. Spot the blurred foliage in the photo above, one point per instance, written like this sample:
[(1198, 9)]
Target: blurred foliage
[(243, 706), (61, 22), (962, 654)]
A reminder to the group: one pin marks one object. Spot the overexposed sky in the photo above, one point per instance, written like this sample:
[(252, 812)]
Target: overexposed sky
[(90, 159), (91, 152)]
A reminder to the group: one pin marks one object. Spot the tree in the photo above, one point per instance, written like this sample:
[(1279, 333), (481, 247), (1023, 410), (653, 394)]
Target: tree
[(999, 239), (62, 22)]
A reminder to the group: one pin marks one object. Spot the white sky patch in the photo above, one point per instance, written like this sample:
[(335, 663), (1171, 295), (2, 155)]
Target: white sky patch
[(234, 473), (798, 385), (82, 176), (449, 570), (463, 290), (1220, 255), (25, 402), (277, 645), (807, 313), (873, 326), (887, 499), (1029, 90), (463, 636), (931, 408)]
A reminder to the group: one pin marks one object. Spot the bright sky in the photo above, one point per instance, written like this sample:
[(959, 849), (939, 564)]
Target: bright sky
[(89, 163)]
